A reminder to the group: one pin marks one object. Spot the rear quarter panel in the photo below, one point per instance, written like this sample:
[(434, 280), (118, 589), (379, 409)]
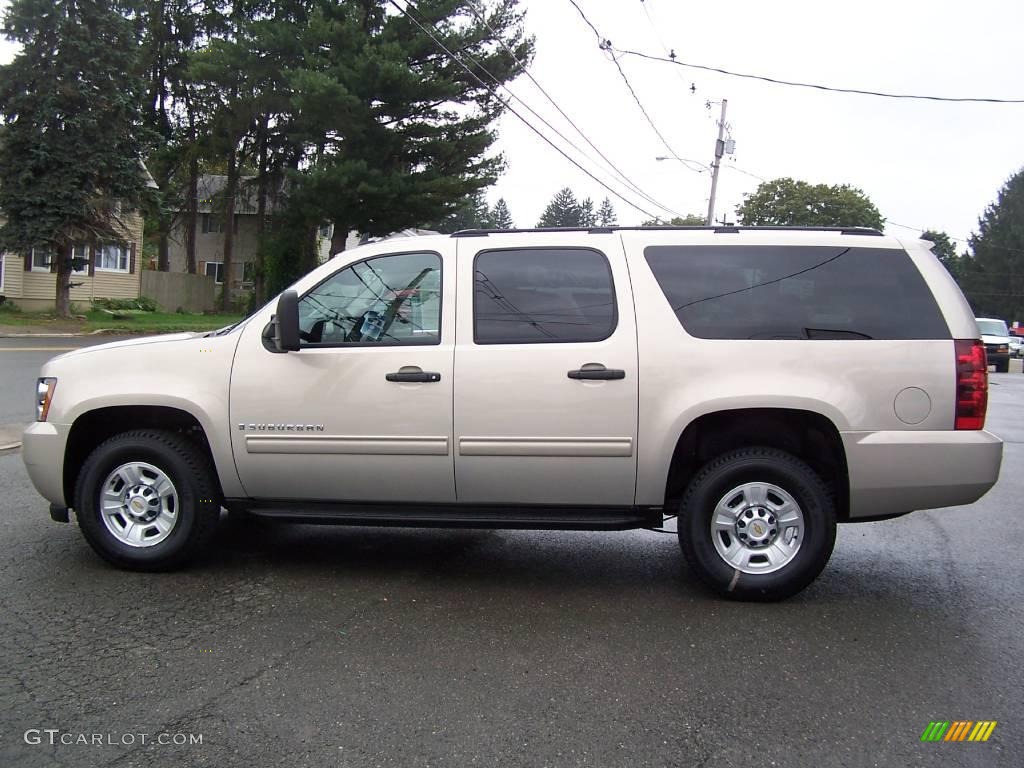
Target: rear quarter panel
[(853, 383)]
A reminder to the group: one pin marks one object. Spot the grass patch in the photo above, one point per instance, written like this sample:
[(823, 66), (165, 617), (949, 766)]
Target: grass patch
[(157, 322), (136, 322)]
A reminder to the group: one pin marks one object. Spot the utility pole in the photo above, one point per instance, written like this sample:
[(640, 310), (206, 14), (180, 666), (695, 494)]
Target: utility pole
[(719, 151)]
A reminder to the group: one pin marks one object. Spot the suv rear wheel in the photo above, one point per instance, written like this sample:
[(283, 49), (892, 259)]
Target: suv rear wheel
[(147, 500), (757, 524)]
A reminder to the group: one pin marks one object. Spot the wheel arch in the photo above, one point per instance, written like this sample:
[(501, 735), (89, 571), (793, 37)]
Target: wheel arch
[(92, 427), (809, 435)]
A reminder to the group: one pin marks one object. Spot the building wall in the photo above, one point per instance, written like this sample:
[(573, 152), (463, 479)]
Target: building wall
[(36, 290)]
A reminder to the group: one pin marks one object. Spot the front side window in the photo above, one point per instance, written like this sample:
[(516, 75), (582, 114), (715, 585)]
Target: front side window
[(392, 299), (112, 258), (543, 295), (796, 292)]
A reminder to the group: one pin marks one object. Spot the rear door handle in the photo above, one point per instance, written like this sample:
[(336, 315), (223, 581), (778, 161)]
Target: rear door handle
[(597, 372), (411, 374)]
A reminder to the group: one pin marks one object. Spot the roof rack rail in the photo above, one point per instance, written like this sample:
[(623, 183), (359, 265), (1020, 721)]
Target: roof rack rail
[(728, 229)]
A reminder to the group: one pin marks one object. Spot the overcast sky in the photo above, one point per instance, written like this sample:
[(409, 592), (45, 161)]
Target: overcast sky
[(929, 165), (924, 164)]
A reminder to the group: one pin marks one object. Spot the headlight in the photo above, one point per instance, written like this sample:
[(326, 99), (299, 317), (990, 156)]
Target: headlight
[(1003, 348), (44, 394)]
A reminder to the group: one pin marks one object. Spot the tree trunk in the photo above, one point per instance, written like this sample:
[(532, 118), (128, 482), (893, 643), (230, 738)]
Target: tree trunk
[(310, 252), (163, 259), (230, 190), (62, 300), (338, 238), (259, 283), (191, 214)]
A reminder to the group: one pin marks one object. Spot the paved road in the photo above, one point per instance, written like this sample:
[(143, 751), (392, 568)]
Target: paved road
[(20, 361), (362, 647)]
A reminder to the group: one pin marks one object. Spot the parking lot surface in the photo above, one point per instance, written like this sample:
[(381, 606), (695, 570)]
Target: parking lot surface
[(316, 646)]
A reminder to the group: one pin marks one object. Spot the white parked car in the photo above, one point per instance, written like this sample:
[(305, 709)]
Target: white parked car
[(996, 337), (762, 384)]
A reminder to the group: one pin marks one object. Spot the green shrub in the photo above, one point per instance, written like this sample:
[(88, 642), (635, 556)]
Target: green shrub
[(142, 303)]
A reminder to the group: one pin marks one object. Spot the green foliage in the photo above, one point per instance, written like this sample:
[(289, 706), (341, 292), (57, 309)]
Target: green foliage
[(562, 211), (606, 214), (587, 216), (786, 202), (501, 217), (472, 213), (993, 276), (690, 220), (944, 250), (73, 134), (141, 304)]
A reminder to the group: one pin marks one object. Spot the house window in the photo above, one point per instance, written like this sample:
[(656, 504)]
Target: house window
[(214, 223), (112, 258), (41, 258), (215, 269), (81, 251)]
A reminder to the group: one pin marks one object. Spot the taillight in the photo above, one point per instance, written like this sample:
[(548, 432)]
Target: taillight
[(971, 384)]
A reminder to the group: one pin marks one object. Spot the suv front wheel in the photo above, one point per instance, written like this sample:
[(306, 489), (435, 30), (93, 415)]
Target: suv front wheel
[(757, 524), (147, 500)]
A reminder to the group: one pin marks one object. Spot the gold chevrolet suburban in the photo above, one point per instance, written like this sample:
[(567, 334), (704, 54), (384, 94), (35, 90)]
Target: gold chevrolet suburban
[(762, 384)]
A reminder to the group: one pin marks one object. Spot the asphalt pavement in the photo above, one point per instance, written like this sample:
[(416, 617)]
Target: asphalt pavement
[(310, 646), (20, 361)]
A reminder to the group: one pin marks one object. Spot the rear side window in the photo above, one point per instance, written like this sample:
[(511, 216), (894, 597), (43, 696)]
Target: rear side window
[(794, 292), (542, 295)]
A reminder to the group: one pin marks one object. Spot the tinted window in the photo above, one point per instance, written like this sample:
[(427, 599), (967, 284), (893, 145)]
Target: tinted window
[(385, 300), (542, 296), (776, 292)]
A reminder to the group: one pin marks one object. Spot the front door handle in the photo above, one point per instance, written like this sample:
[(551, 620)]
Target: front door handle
[(597, 372), (411, 374)]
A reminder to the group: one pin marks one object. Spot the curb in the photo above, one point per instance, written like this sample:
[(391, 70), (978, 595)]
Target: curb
[(9, 447)]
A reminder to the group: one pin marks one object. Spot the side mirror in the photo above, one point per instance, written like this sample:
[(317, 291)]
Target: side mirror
[(286, 324)]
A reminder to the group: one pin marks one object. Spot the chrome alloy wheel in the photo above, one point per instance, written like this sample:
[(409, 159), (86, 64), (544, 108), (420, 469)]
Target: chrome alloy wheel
[(757, 528), (139, 504)]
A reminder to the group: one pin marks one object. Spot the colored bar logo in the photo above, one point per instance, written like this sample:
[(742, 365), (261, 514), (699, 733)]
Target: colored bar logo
[(959, 730)]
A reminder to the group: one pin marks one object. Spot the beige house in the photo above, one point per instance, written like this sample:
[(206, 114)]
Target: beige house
[(111, 271), (210, 234)]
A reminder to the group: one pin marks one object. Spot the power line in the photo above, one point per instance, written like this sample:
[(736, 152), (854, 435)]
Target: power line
[(629, 183), (527, 123), (605, 45), (816, 86)]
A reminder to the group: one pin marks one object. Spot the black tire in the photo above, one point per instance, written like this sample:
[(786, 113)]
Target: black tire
[(731, 470), (187, 467), (1003, 366)]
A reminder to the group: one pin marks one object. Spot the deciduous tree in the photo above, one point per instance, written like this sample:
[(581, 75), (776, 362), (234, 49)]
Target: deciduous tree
[(787, 202)]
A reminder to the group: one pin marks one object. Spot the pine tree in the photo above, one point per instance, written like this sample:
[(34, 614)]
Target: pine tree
[(501, 217), (562, 211), (993, 278), (606, 214), (399, 132), (587, 216), (73, 139)]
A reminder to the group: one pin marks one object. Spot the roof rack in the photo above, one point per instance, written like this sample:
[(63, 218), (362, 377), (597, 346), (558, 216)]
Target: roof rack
[(663, 227)]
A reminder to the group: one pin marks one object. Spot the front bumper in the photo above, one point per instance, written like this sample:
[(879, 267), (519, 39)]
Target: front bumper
[(42, 450), (892, 472)]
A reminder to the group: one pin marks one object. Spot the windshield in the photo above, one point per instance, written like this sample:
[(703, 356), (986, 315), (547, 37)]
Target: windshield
[(993, 328)]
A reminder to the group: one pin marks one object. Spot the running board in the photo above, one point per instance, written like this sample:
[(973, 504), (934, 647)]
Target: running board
[(529, 517)]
